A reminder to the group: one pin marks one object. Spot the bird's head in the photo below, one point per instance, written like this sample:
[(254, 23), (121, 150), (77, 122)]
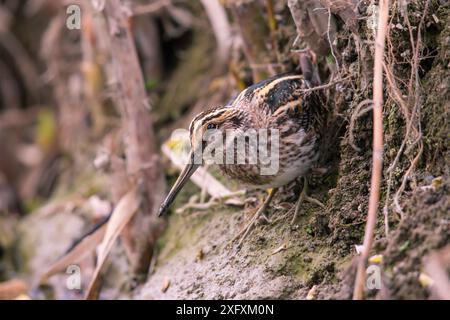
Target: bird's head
[(202, 131), (209, 122)]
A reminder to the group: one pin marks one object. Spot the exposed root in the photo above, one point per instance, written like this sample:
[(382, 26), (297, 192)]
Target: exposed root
[(411, 113), (355, 115)]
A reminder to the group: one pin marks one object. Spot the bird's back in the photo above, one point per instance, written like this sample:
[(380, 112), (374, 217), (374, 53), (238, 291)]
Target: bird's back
[(286, 95), (286, 104)]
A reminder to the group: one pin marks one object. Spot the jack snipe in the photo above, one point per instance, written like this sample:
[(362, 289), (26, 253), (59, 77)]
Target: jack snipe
[(279, 107)]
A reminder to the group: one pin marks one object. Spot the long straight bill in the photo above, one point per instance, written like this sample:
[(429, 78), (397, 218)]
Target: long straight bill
[(184, 176)]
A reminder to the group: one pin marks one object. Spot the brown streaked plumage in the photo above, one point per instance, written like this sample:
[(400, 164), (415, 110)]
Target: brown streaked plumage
[(279, 103)]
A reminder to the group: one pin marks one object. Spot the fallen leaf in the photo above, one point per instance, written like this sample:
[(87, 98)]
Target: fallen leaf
[(283, 247), (312, 293), (425, 280), (122, 214), (166, 285), (76, 254), (201, 177)]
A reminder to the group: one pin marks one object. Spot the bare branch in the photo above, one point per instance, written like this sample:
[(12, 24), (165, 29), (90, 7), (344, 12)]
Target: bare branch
[(377, 156), (220, 25)]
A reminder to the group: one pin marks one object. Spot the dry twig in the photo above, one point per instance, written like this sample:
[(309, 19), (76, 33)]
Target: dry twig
[(150, 8), (77, 254), (377, 156), (121, 216), (220, 25), (326, 86)]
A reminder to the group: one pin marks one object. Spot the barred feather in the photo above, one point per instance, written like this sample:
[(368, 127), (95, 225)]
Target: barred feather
[(275, 103)]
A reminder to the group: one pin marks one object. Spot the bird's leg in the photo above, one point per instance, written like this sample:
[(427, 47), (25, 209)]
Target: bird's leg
[(304, 197), (260, 213)]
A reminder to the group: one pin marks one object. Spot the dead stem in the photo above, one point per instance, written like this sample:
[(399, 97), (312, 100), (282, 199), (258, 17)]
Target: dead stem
[(325, 86), (151, 8), (377, 156), (329, 40)]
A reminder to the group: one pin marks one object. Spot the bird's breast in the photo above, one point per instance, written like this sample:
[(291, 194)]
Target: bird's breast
[(274, 164)]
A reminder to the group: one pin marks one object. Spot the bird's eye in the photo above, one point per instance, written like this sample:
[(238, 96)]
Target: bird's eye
[(211, 126)]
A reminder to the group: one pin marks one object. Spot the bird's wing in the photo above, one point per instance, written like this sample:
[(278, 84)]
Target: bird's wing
[(288, 97), (284, 97), (247, 94)]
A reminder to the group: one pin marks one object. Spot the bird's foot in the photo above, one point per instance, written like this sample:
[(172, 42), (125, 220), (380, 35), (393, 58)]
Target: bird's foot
[(259, 215), (304, 197)]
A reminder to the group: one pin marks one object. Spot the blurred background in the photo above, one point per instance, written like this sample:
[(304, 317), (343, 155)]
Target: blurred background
[(90, 92)]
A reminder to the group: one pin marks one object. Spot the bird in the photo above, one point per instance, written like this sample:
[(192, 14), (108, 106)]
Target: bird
[(288, 107)]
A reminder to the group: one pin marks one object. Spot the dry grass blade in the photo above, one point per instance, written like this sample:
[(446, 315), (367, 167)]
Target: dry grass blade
[(325, 86), (122, 214), (142, 164), (80, 251), (201, 177), (377, 156), (220, 25)]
